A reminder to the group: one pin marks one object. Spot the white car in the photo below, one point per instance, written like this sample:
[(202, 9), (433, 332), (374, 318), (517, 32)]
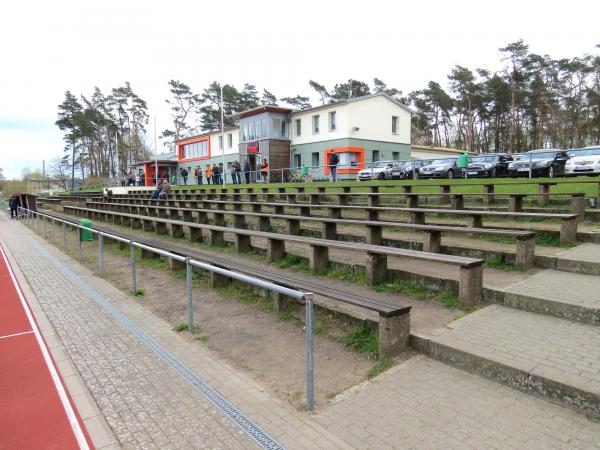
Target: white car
[(379, 171), (584, 161)]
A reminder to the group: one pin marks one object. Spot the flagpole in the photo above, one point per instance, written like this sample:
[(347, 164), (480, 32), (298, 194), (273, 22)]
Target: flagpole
[(224, 174)]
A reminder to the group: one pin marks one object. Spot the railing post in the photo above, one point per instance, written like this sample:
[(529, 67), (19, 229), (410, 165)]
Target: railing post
[(53, 230), (100, 253), (190, 311), (79, 243), (65, 235), (308, 297), (44, 219), (133, 280)]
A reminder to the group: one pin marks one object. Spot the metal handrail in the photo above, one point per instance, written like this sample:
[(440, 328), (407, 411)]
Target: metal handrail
[(307, 297)]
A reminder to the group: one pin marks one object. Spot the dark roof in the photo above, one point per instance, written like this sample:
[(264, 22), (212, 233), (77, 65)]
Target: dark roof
[(260, 110)]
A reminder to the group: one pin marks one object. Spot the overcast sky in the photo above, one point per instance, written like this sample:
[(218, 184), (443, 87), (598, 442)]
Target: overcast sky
[(50, 47)]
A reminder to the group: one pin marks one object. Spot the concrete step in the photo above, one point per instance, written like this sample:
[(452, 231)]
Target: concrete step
[(561, 294), (546, 356)]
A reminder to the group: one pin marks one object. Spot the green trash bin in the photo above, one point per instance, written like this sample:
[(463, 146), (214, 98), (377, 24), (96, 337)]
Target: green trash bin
[(86, 235)]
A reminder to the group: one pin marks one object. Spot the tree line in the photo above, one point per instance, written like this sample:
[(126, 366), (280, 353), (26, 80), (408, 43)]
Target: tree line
[(533, 101)]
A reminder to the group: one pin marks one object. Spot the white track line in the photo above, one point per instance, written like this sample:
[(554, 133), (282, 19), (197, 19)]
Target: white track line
[(16, 334), (77, 431)]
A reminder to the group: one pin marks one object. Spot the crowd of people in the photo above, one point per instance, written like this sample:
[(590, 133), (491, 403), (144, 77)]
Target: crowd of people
[(214, 174)]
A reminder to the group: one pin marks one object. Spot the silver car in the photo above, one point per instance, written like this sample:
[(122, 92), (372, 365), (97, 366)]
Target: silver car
[(439, 168), (380, 170)]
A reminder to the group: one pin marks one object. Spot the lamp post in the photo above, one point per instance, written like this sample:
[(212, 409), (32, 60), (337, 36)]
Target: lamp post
[(224, 174)]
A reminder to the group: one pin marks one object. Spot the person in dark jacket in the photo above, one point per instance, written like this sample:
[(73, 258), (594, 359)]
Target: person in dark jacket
[(14, 203), (247, 171)]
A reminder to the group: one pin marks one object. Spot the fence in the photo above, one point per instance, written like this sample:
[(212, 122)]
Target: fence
[(32, 219)]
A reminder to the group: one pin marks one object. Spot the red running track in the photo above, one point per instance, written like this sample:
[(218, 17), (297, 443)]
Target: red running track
[(36, 411)]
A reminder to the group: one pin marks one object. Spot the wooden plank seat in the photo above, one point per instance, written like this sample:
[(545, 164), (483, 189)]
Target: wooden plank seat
[(470, 284), (394, 317), (525, 247), (568, 228)]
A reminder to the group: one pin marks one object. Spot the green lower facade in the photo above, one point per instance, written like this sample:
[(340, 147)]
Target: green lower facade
[(314, 156)]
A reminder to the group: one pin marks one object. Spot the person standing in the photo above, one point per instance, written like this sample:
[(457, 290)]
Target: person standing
[(14, 203), (137, 179), (238, 171), (334, 160), (184, 175), (208, 173), (247, 171), (142, 179), (463, 163), (264, 170)]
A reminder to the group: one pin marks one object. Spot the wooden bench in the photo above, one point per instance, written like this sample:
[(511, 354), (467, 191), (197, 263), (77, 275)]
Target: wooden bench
[(524, 256), (470, 284)]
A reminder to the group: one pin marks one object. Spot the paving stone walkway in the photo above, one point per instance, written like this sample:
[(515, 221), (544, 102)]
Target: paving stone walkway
[(419, 404), (564, 287)]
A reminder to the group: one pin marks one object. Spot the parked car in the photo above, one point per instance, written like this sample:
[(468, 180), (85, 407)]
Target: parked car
[(583, 161), (404, 170), (439, 168), (489, 165), (547, 162), (378, 171)]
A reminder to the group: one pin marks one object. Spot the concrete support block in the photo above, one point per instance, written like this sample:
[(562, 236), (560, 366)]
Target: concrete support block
[(161, 212), (470, 285), (475, 221), (394, 333), (221, 206), (281, 302), (407, 189), (412, 201), (278, 209), (186, 215), (568, 231), (175, 264), (329, 230), (458, 202), (488, 198), (374, 234), (176, 231), (147, 254), (236, 206), (291, 198), (374, 189), (195, 234), (343, 199), (315, 199), (374, 200), (217, 280), (160, 227), (578, 206), (239, 221), (219, 219), (318, 257), (275, 249), (417, 217), (371, 214), (515, 203), (376, 268), (242, 243), (445, 191), (335, 213), (432, 241), (525, 254), (202, 217), (215, 237), (544, 197), (256, 207), (264, 224), (293, 227), (305, 211), (147, 225)]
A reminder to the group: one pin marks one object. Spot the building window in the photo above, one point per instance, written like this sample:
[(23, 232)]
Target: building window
[(315, 159), (298, 127), (396, 156), (229, 140), (315, 122), (332, 121), (375, 155), (394, 124), (221, 142), (297, 161), (276, 127), (283, 129), (195, 150)]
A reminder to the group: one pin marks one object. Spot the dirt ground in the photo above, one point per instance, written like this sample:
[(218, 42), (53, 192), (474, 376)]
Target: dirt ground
[(262, 344)]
